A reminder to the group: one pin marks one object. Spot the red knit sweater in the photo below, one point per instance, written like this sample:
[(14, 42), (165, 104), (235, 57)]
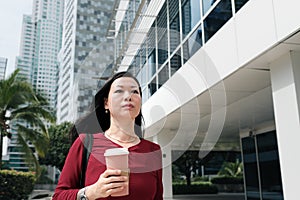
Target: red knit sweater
[(145, 163)]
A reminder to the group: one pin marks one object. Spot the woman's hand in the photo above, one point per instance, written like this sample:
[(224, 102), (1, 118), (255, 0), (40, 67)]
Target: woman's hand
[(108, 183)]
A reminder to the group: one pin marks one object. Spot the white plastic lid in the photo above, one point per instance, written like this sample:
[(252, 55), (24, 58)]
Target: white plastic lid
[(116, 152)]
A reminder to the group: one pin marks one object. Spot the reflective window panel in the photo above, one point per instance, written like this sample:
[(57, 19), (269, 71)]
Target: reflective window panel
[(190, 15), (217, 18)]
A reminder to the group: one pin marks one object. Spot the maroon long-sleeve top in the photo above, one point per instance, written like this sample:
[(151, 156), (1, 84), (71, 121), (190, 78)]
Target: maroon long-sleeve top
[(145, 163)]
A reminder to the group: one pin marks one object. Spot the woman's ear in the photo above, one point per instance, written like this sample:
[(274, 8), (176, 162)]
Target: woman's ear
[(105, 103)]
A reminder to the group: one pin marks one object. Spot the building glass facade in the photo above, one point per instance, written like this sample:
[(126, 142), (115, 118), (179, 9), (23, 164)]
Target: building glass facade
[(85, 54), (3, 65), (261, 164), (180, 29)]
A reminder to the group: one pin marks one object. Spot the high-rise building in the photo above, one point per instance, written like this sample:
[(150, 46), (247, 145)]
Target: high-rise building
[(40, 45), (219, 75), (38, 58), (85, 53), (3, 65)]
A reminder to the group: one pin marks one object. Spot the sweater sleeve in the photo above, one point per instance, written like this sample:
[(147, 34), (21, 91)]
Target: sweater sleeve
[(159, 192), (68, 184)]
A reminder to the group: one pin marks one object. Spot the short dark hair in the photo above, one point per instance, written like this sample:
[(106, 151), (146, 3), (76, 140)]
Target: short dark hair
[(102, 94)]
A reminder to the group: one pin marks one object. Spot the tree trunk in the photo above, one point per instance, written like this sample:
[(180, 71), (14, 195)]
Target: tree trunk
[(188, 175)]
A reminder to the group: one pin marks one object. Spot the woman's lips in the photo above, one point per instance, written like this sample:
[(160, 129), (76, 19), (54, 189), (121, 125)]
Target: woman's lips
[(128, 106)]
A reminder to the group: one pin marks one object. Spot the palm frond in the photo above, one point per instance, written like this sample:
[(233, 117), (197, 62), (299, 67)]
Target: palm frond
[(233, 169), (37, 109), (38, 139), (30, 158)]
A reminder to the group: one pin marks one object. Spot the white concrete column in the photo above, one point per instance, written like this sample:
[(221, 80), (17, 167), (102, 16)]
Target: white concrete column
[(167, 172), (285, 79)]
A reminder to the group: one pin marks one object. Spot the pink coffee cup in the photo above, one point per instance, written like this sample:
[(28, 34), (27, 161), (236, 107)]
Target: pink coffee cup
[(117, 158)]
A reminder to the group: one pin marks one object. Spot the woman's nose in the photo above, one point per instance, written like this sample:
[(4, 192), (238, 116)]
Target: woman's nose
[(128, 96)]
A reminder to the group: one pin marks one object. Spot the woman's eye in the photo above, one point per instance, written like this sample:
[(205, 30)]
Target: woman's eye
[(118, 91), (135, 92)]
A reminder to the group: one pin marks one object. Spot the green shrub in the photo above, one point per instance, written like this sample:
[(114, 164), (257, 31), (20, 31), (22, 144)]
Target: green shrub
[(227, 180), (198, 188), (200, 179), (16, 185)]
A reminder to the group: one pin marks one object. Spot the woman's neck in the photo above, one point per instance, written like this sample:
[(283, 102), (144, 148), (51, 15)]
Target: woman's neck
[(123, 129), (122, 133)]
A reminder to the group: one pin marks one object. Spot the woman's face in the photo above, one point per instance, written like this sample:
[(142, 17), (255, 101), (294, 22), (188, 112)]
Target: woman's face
[(124, 99)]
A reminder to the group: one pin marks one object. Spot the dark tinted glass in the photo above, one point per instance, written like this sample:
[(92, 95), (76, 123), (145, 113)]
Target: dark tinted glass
[(217, 18), (151, 64), (269, 167), (152, 86), (239, 3), (175, 62), (250, 168), (193, 44), (162, 35), (206, 4), (163, 75), (174, 33), (190, 15)]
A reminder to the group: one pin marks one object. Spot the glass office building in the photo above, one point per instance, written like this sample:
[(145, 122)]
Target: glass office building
[(85, 54), (218, 75), (3, 65)]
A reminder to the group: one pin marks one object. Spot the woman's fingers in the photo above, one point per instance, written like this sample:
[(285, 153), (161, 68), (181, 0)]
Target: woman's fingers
[(111, 181), (114, 190), (111, 172), (116, 179), (115, 185), (113, 176)]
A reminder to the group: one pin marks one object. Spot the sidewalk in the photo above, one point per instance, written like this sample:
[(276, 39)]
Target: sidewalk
[(46, 195), (219, 196)]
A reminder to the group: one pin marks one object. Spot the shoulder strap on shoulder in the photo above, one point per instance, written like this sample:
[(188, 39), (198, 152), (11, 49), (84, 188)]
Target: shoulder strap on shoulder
[(88, 144)]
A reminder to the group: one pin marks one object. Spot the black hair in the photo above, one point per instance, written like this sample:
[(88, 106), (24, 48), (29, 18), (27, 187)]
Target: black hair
[(102, 94)]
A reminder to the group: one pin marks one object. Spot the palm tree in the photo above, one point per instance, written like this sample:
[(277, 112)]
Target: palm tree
[(27, 111), (232, 169)]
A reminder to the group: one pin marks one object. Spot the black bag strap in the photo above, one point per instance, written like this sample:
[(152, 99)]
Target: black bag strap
[(88, 144)]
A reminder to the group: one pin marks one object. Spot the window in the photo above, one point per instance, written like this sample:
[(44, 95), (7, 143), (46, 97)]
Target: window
[(152, 65), (193, 44), (190, 15), (269, 167), (175, 62), (162, 35), (152, 86), (217, 18), (239, 3), (174, 24), (261, 166), (206, 4), (163, 75), (151, 38)]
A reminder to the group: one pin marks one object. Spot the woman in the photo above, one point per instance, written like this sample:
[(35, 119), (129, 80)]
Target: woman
[(118, 110)]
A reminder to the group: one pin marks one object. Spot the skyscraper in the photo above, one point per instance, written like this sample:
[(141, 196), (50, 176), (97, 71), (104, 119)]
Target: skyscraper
[(40, 44), (85, 54), (37, 61), (3, 65)]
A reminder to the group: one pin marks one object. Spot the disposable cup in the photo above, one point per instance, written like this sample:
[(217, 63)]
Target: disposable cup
[(117, 158)]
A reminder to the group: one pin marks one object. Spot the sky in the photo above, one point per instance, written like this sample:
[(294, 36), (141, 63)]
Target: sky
[(11, 15)]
